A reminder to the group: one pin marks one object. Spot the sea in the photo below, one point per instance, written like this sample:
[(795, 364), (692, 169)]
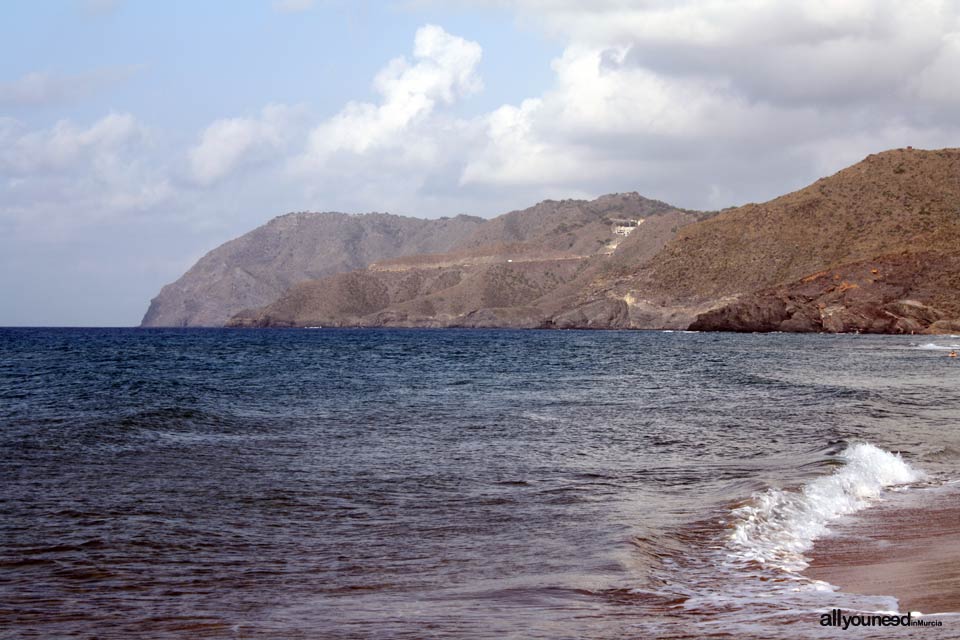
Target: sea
[(374, 483)]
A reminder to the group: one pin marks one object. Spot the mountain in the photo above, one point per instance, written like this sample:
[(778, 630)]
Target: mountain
[(509, 273), (256, 268), (874, 247)]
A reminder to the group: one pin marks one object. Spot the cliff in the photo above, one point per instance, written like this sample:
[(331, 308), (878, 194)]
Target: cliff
[(256, 268)]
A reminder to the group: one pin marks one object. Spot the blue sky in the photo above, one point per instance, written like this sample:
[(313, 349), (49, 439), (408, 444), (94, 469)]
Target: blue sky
[(135, 136)]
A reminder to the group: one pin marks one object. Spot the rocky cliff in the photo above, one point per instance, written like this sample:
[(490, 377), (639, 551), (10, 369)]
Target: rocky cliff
[(256, 268)]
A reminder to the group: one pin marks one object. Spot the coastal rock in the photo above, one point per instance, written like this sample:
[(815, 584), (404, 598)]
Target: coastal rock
[(600, 314), (866, 297), (761, 314), (951, 326)]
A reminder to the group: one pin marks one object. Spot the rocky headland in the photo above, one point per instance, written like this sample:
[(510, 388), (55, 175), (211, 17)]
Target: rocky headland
[(873, 248)]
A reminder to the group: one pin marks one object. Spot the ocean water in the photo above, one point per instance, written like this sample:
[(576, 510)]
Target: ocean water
[(449, 484)]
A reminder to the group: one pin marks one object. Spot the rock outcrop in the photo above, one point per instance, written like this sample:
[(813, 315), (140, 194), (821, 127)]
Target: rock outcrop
[(903, 293)]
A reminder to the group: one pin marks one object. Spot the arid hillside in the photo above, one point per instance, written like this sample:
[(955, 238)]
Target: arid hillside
[(873, 248), (256, 268), (511, 273), (896, 212), (901, 200)]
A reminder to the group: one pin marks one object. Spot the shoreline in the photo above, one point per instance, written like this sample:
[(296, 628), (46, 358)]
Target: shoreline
[(907, 546)]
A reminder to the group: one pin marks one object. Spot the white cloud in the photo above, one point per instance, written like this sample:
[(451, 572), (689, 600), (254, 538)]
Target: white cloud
[(675, 97), (69, 174), (938, 82), (232, 142), (444, 69), (63, 145), (397, 140), (816, 51), (704, 103)]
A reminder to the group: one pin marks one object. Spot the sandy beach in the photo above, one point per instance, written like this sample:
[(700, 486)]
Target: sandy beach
[(907, 547)]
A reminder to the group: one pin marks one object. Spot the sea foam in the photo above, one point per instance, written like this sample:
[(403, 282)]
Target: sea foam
[(778, 526), (931, 346)]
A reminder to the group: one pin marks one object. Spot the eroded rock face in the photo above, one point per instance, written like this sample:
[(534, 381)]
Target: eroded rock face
[(906, 293), (945, 326), (462, 295), (600, 314), (903, 200), (766, 313)]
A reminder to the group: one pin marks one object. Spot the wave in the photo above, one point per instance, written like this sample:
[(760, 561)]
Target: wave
[(931, 346), (777, 526)]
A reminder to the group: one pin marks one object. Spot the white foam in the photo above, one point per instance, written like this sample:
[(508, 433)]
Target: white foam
[(778, 526), (931, 346)]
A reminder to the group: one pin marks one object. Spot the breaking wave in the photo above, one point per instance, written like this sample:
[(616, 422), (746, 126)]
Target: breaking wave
[(778, 526)]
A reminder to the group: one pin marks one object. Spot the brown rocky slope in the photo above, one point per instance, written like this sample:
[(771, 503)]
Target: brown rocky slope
[(872, 248), (511, 273), (256, 268)]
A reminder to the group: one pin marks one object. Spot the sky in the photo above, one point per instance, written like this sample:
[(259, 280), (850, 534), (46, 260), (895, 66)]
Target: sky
[(137, 135)]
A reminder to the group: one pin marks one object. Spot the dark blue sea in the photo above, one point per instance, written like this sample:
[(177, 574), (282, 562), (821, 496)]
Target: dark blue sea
[(449, 483)]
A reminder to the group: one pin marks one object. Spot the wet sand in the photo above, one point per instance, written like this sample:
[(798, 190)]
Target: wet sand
[(907, 547)]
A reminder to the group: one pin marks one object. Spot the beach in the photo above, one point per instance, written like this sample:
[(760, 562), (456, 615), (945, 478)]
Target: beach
[(908, 547)]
